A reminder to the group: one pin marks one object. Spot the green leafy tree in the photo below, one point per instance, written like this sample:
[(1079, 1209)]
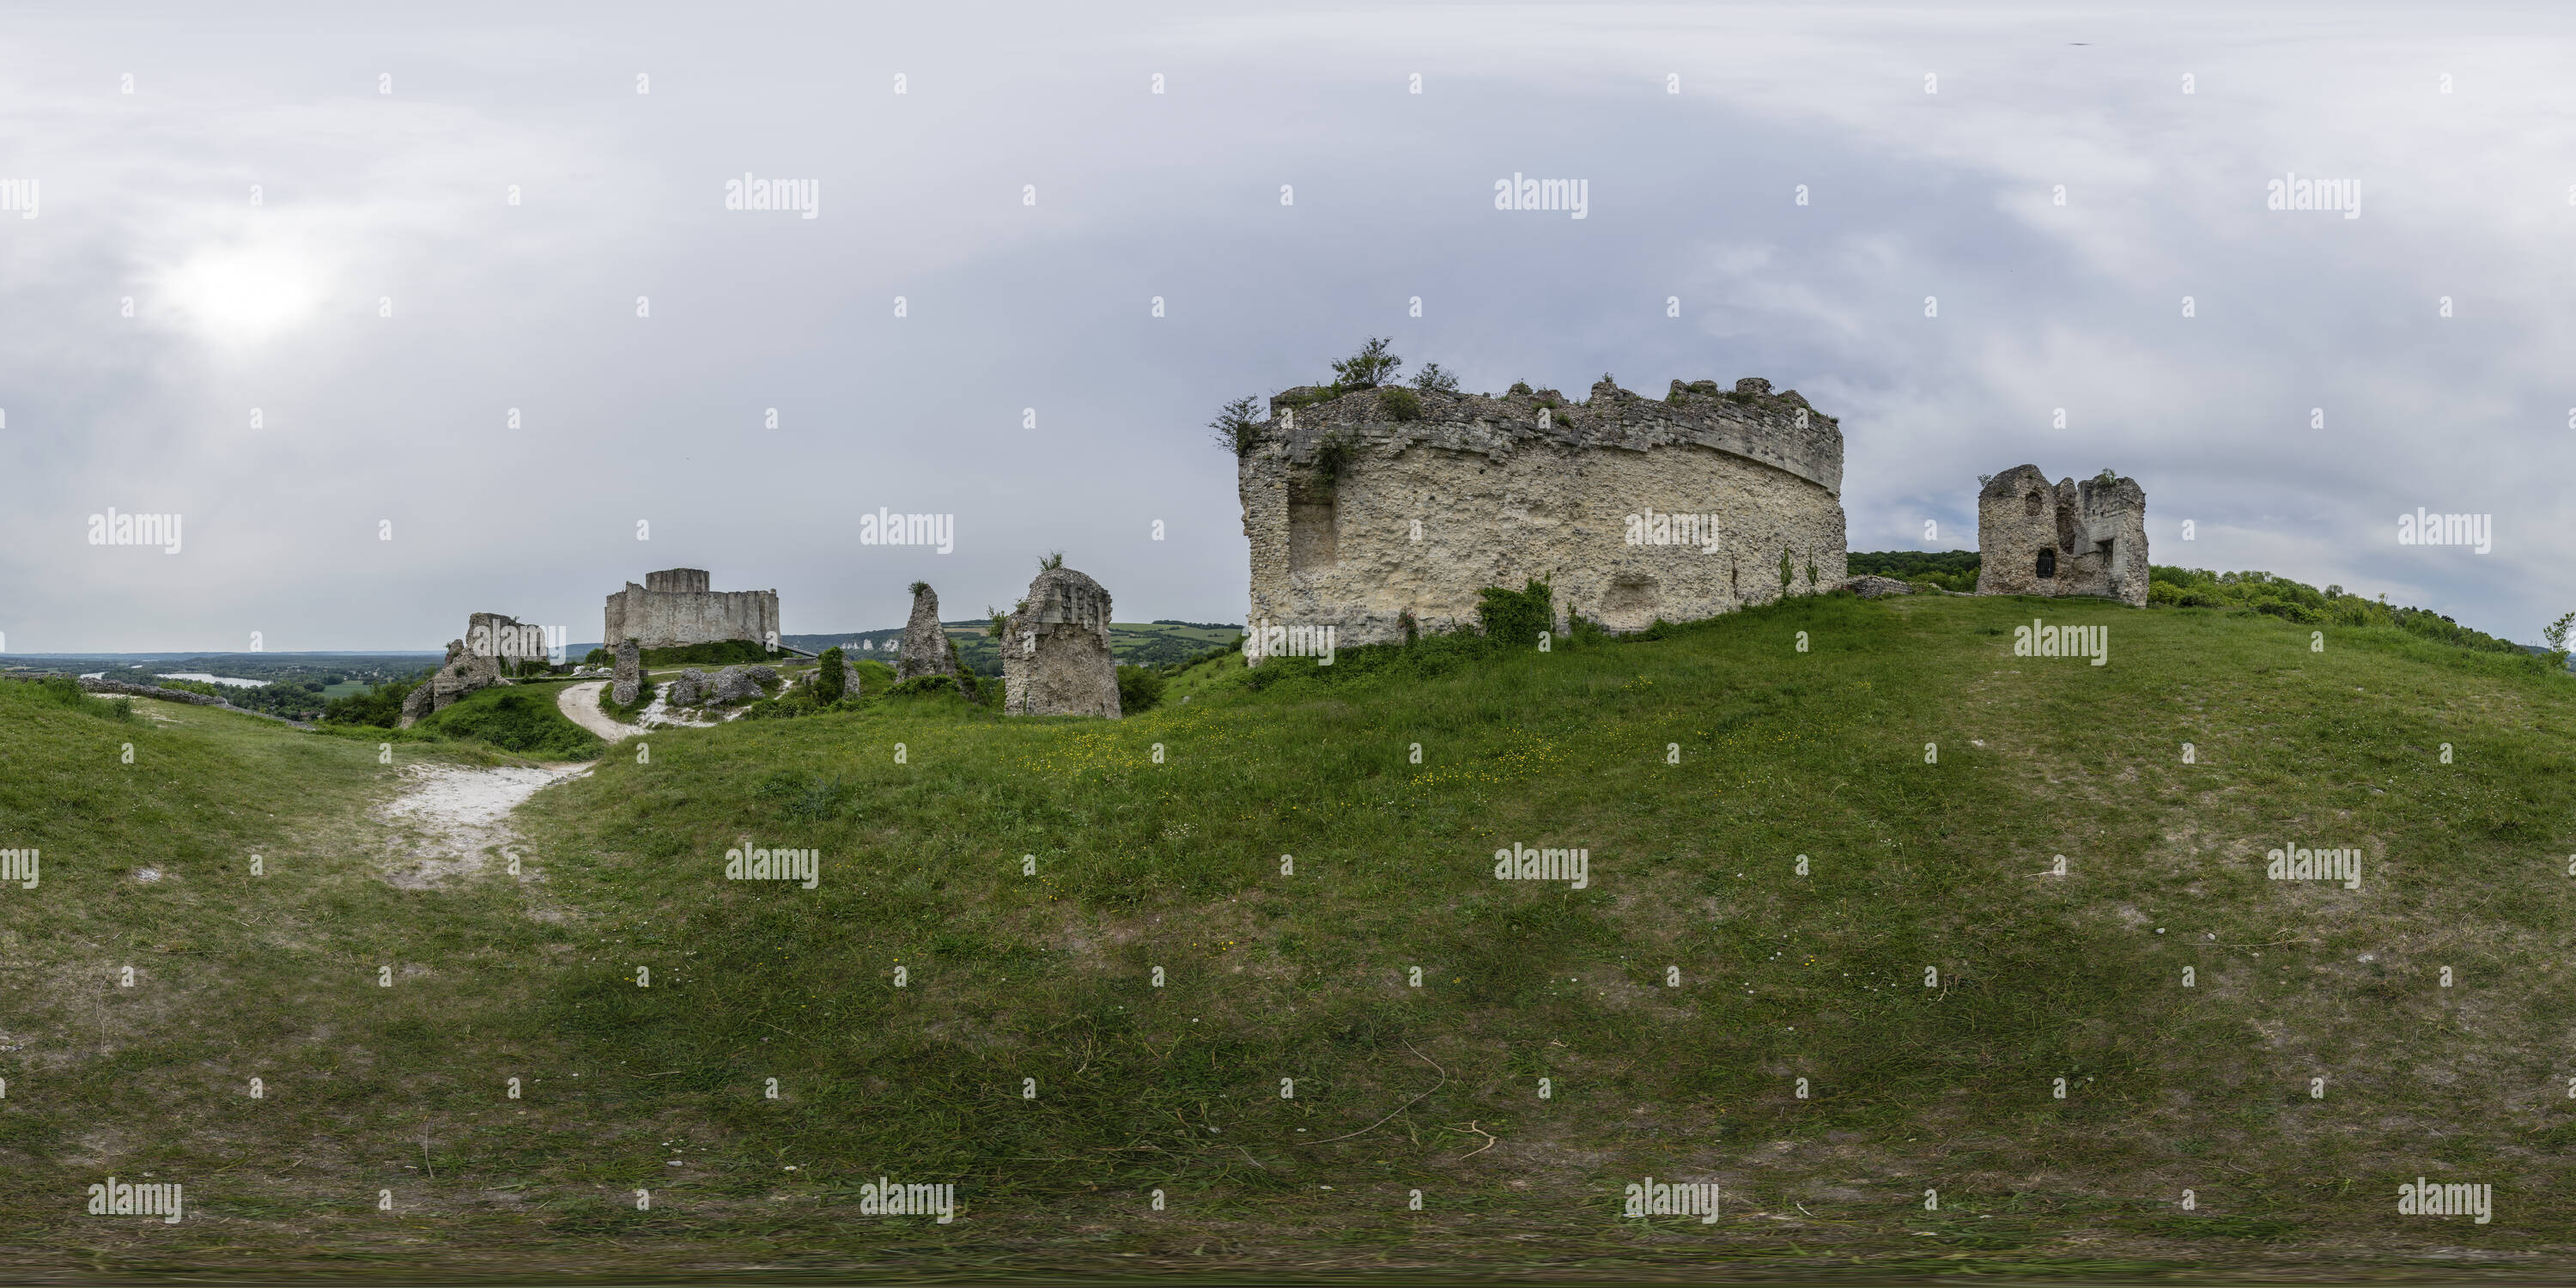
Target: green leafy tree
[(829, 681), (1372, 366), (1432, 380)]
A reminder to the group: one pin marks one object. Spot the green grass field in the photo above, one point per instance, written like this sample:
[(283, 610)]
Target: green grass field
[(1285, 866)]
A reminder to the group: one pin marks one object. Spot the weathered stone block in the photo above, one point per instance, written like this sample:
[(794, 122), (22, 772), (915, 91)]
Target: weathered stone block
[(926, 650), (630, 672), (1873, 586), (1055, 651), (689, 690)]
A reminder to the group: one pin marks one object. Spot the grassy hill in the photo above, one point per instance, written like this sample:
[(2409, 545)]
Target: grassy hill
[(1928, 975)]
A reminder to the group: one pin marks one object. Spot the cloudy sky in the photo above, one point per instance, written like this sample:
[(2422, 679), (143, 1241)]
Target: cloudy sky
[(384, 146)]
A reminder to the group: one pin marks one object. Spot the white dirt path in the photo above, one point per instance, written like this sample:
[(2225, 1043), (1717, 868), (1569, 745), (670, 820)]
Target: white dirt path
[(580, 704), (448, 817)]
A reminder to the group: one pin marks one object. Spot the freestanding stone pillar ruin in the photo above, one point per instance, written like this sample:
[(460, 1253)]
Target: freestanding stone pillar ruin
[(1055, 652), (630, 671), (926, 650), (2087, 538)]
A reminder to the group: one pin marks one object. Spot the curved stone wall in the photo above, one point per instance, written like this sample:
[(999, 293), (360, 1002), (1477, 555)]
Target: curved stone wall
[(1632, 509)]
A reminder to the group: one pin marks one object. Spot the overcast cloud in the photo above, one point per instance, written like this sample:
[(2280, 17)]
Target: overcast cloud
[(2467, 193)]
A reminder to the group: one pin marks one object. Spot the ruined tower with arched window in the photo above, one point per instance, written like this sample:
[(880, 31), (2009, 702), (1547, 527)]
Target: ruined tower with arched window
[(2067, 538)]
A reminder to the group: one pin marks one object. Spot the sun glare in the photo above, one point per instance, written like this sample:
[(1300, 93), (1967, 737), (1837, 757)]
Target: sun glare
[(244, 294)]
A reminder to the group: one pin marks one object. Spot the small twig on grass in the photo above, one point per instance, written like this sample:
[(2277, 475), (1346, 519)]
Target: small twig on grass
[(1444, 1081), (1491, 1140)]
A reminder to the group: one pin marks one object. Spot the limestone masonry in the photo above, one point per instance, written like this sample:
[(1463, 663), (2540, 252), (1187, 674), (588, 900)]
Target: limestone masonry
[(496, 641), (630, 673), (927, 649), (674, 608), (2087, 538), (1055, 652), (1380, 503)]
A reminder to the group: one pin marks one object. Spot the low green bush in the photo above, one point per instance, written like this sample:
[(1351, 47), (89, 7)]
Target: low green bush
[(378, 707), (717, 653), (62, 690), (828, 678), (1139, 689), (1514, 619), (520, 718)]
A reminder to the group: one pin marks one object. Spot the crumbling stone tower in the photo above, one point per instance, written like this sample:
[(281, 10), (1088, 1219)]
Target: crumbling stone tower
[(1380, 507), (1055, 654), (2087, 538)]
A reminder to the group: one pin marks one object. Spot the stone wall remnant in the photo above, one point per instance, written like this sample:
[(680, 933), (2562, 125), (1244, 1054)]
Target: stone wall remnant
[(1055, 650), (1369, 511), (464, 672)]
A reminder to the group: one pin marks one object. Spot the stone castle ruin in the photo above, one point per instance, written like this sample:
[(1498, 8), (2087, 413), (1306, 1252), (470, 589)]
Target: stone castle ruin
[(674, 608), (1384, 506), (1055, 650), (493, 646), (2073, 538)]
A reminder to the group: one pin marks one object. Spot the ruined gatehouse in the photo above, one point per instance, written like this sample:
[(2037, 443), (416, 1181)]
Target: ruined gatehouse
[(1383, 507), (2072, 538)]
